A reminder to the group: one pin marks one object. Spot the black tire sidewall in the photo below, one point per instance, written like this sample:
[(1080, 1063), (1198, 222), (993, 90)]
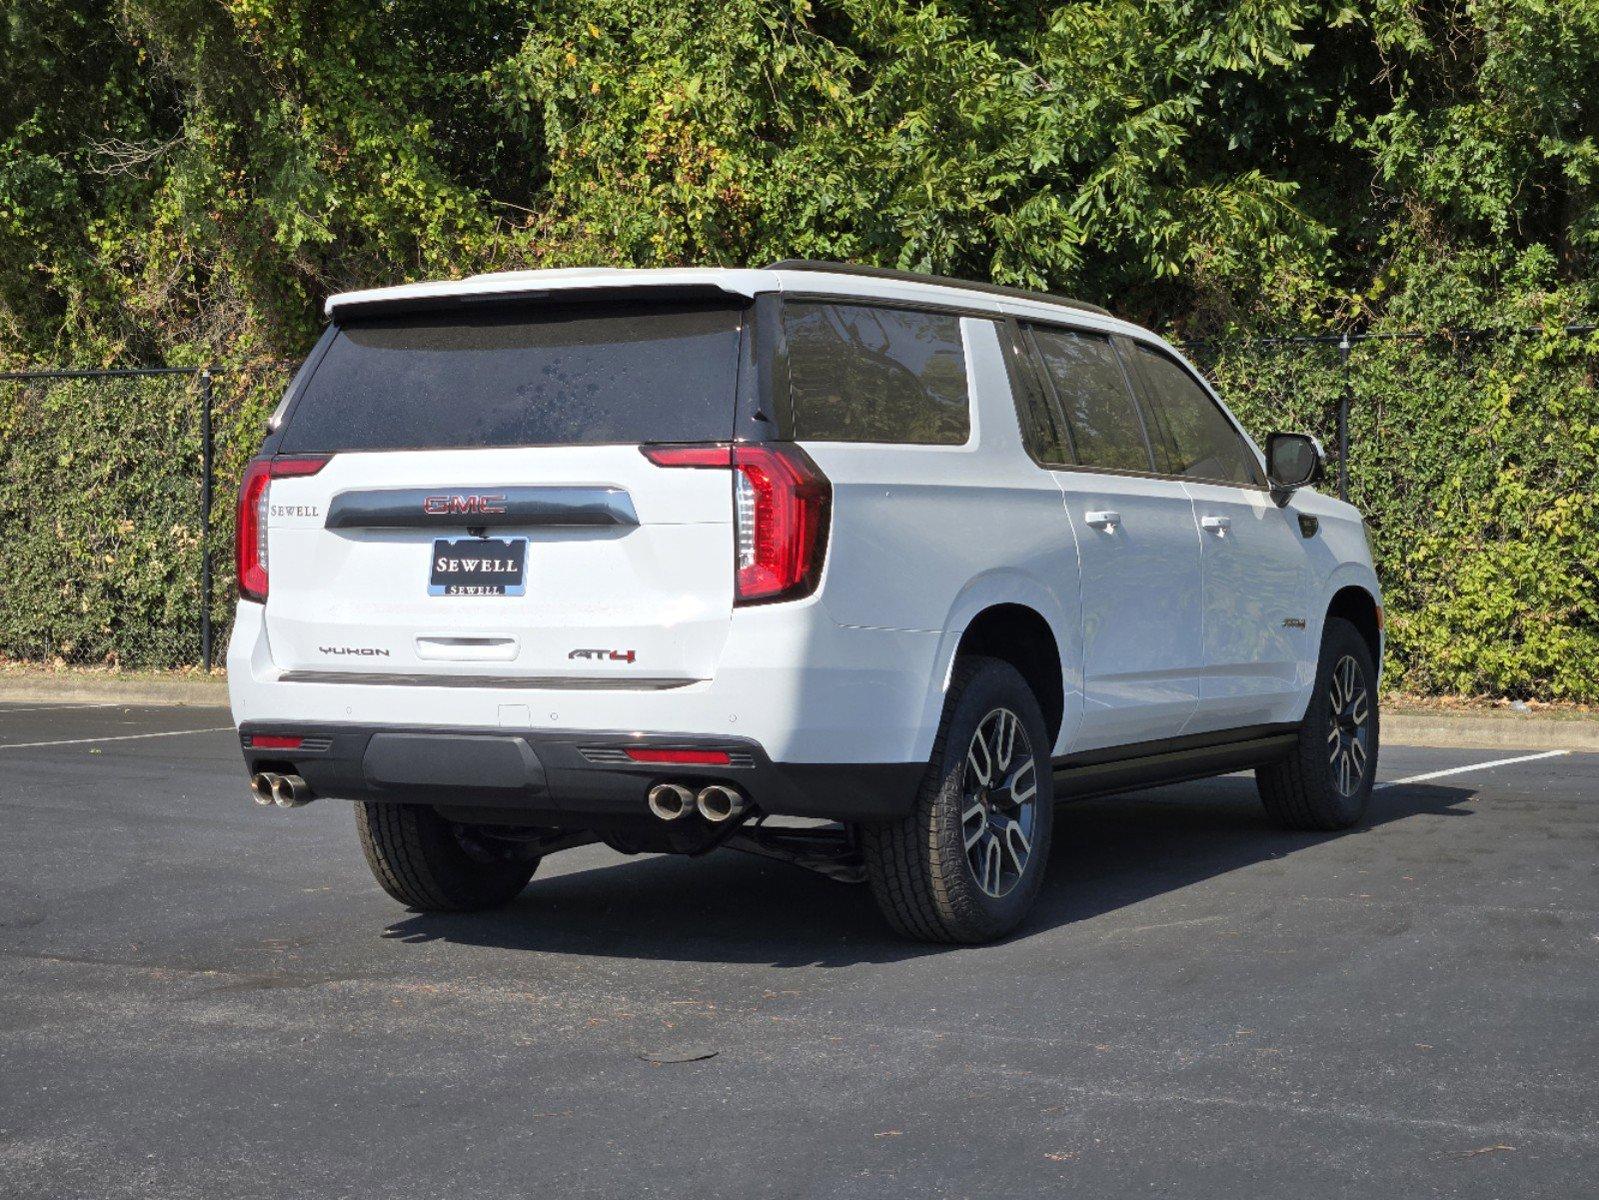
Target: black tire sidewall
[(1339, 639), (977, 915), (416, 857)]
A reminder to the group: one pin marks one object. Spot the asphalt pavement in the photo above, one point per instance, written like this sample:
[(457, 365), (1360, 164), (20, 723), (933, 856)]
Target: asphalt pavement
[(201, 998)]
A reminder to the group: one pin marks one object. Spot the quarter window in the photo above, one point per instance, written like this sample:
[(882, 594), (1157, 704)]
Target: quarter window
[(1102, 417), (1201, 441), (863, 373)]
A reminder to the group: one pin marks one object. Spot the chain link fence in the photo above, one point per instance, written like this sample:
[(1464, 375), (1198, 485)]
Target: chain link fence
[(116, 512), (1474, 455)]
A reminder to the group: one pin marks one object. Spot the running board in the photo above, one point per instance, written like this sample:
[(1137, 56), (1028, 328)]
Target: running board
[(1098, 774)]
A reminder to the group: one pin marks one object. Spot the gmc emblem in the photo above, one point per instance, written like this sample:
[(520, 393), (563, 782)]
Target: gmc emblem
[(463, 505)]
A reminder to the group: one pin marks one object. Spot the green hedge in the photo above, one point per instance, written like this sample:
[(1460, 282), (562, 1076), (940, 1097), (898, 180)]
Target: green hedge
[(1475, 463), (100, 530)]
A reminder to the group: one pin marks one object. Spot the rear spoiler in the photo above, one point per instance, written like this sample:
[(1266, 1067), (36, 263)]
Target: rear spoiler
[(578, 288)]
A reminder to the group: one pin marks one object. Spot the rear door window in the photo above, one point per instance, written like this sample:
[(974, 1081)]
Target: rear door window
[(1102, 417), (523, 374), (1201, 442), (865, 373)]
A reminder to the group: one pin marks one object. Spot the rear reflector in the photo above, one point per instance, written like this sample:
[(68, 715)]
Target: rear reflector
[(700, 758), (273, 741)]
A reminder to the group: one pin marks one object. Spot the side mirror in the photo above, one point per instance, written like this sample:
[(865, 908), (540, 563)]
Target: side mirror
[(1293, 460)]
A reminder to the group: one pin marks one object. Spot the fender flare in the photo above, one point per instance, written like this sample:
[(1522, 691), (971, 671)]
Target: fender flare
[(1352, 575), (1006, 585), (1348, 574)]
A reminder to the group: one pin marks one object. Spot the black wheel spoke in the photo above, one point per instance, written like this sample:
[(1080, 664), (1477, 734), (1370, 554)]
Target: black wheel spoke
[(1348, 726), (999, 788)]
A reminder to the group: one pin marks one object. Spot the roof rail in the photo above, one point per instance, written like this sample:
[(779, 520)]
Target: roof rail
[(970, 285)]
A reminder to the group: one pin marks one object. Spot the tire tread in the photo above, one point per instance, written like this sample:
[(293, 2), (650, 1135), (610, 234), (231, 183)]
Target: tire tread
[(912, 864), (414, 858), (1295, 789)]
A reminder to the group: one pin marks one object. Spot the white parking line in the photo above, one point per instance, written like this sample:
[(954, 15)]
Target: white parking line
[(48, 707), (1498, 762), (121, 737)]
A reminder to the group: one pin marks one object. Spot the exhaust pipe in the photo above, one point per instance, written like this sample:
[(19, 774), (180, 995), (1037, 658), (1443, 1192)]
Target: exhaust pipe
[(669, 801), (290, 791), (719, 803), (262, 785)]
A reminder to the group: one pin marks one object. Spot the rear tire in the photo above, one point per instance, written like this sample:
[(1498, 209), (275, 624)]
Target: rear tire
[(434, 865), (1325, 782), (967, 863)]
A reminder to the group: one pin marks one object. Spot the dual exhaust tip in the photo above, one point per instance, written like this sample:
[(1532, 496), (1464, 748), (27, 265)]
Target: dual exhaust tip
[(286, 791), (716, 803)]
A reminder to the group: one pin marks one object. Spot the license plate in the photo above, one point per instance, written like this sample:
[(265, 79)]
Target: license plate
[(478, 567)]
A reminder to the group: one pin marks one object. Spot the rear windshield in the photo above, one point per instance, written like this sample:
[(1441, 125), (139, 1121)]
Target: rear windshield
[(513, 374)]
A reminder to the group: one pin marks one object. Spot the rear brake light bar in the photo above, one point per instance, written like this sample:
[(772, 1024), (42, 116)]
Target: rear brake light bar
[(274, 741), (250, 524), (656, 754), (781, 506)]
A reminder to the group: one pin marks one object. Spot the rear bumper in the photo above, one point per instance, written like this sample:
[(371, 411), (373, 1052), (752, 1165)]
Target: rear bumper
[(564, 778), (789, 678)]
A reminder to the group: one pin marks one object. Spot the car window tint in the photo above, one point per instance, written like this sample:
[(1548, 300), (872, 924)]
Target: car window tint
[(1042, 428), (1201, 441), (1101, 415), (863, 373), (523, 374)]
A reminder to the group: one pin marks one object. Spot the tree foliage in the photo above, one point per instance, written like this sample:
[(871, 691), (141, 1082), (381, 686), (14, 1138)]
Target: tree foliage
[(188, 177), (183, 181)]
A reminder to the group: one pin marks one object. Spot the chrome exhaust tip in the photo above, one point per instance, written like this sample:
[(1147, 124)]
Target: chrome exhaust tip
[(290, 791), (669, 801), (262, 785), (718, 803)]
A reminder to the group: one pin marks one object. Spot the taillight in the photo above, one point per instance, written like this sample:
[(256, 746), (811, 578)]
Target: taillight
[(781, 502), (250, 524)]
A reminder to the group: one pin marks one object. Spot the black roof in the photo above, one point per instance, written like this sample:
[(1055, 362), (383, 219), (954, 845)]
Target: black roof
[(970, 285)]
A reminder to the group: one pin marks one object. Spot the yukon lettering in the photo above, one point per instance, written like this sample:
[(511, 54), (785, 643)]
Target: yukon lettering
[(359, 651)]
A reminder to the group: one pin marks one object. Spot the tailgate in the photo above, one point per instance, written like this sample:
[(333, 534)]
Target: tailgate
[(627, 571), (485, 511)]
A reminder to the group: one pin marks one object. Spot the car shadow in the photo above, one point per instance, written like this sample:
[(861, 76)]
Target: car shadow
[(733, 907)]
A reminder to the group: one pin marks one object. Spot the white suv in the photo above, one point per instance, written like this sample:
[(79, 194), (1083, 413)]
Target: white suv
[(668, 558)]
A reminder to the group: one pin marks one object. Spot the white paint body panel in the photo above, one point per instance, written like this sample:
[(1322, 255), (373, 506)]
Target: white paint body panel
[(662, 589), (1256, 663), (1141, 606), (1163, 628)]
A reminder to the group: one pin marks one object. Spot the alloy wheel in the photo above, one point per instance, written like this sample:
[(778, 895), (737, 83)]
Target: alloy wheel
[(1349, 726), (999, 789)]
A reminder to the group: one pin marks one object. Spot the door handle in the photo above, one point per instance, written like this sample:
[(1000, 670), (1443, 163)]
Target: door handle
[(1103, 519), (1217, 525)]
